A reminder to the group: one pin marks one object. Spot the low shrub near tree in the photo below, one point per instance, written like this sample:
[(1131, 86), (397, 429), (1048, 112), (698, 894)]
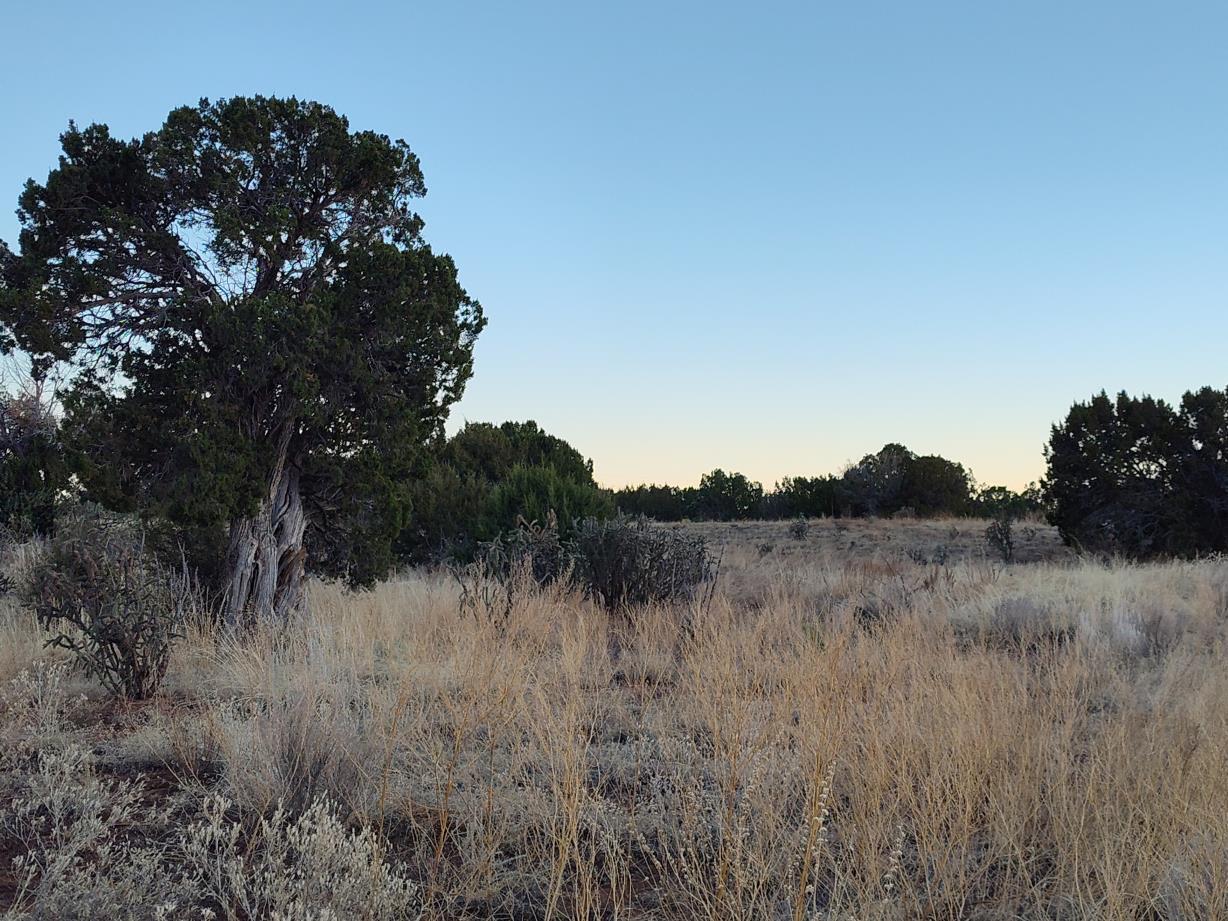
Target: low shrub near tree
[(105, 600)]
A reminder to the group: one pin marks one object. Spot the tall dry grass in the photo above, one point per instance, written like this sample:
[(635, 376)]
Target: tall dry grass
[(834, 739)]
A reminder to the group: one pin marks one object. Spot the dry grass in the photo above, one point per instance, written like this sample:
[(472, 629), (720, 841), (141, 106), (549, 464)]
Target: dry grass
[(841, 735)]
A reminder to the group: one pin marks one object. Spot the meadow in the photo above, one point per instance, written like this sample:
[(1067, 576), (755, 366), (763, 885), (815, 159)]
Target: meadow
[(873, 720)]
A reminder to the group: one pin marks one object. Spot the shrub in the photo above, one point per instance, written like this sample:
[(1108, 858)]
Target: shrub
[(534, 493), (108, 604), (505, 569), (308, 865), (291, 748), (799, 528), (1000, 536), (624, 562), (82, 851), (445, 518), (533, 547)]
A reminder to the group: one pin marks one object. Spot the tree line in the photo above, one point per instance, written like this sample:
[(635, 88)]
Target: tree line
[(893, 481)]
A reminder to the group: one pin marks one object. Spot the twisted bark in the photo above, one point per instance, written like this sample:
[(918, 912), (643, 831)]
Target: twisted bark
[(265, 557)]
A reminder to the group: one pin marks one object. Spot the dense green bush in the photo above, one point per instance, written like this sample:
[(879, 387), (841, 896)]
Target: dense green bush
[(487, 478), (446, 516), (490, 452), (534, 493), (934, 485)]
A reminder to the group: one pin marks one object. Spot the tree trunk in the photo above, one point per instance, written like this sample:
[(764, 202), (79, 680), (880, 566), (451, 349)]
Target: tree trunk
[(265, 573)]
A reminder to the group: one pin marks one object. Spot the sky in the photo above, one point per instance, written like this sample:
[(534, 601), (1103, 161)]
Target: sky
[(766, 237)]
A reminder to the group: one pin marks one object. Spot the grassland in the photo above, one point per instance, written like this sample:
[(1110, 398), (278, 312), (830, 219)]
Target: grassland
[(859, 724)]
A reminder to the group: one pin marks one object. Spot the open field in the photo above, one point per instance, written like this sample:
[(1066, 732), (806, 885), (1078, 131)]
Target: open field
[(842, 731), (834, 540)]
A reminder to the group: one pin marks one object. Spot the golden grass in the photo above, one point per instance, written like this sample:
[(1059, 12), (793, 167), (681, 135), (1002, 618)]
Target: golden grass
[(837, 736)]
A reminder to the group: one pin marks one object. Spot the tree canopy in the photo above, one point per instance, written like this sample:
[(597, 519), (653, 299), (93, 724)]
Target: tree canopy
[(259, 340), (1137, 476), (486, 477)]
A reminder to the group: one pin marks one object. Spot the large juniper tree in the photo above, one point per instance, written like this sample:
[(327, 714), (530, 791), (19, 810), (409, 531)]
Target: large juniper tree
[(1138, 476), (260, 340)]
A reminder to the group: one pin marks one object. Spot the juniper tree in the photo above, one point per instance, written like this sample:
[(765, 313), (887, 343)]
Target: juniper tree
[(1138, 476), (259, 339)]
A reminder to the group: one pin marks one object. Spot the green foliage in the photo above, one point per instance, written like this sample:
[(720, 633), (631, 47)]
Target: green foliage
[(727, 496), (884, 483), (811, 497), (535, 493), (108, 603), (1139, 477), (536, 548), (994, 501), (507, 569), (661, 503), (491, 452), (487, 478), (934, 485), (621, 562), (33, 467), (244, 295), (875, 484), (446, 515), (624, 562)]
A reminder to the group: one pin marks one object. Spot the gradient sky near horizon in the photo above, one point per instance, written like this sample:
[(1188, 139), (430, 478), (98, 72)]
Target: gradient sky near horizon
[(767, 237)]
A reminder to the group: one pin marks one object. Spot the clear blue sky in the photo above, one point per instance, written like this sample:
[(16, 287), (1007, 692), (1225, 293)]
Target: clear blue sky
[(768, 237)]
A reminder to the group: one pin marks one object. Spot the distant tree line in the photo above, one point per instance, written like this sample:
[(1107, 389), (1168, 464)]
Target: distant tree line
[(1133, 476), (892, 481)]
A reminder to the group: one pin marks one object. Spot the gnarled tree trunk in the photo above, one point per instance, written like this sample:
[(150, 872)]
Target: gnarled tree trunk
[(265, 572)]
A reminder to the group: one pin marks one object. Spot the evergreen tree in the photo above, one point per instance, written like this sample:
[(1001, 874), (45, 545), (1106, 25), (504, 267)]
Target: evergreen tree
[(260, 337)]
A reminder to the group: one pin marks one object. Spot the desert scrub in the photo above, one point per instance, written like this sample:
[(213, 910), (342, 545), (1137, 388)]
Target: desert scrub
[(507, 571), (108, 603), (82, 844), (92, 848), (308, 865), (625, 562), (1000, 536)]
